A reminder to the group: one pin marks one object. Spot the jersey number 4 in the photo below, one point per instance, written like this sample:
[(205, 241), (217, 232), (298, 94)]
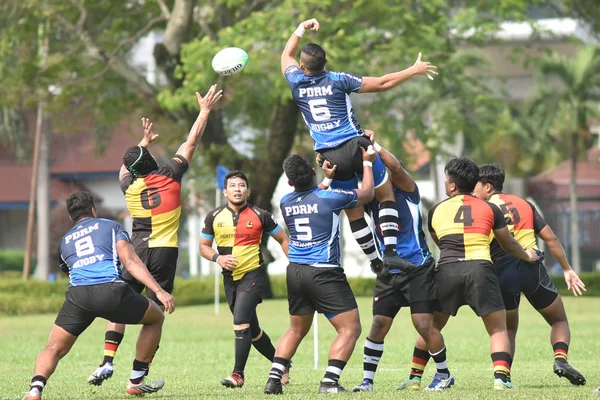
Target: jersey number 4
[(303, 229), (319, 110), (463, 216)]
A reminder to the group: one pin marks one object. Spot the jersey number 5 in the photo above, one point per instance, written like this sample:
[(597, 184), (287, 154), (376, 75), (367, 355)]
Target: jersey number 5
[(513, 212), (319, 110), (303, 230), (463, 216)]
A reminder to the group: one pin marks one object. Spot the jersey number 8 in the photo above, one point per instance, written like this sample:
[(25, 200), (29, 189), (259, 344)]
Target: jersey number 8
[(84, 246)]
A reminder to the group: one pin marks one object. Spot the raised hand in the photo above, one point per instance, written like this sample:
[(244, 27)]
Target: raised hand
[(149, 134), (311, 24), (210, 99), (424, 68)]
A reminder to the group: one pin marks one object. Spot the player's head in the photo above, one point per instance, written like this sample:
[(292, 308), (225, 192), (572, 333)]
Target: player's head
[(313, 58), (139, 161), (462, 175), (300, 173), (81, 205), (491, 180), (236, 189)]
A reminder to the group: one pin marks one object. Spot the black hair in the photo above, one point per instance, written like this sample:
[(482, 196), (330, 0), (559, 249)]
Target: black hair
[(299, 172), (139, 161), (464, 173), (79, 205), (235, 174), (313, 57), (492, 174)]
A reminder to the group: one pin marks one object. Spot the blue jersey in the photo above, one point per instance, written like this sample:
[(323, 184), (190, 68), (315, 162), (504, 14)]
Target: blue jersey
[(325, 105), (89, 252), (312, 217), (412, 245)]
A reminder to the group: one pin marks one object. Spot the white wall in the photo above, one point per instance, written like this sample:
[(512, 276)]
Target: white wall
[(109, 190), (13, 229)]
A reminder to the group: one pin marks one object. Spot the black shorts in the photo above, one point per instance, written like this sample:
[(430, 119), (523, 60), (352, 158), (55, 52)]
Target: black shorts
[(253, 281), (115, 301), (474, 283), (322, 289), (516, 276), (162, 264), (415, 289)]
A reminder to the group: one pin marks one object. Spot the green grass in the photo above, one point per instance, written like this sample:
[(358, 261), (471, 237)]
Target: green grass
[(197, 352)]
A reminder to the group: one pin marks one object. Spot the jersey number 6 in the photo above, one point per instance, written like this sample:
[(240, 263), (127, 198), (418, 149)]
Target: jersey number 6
[(150, 198), (319, 110)]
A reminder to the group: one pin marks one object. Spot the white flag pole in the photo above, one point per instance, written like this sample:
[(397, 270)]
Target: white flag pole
[(316, 339), (217, 267)]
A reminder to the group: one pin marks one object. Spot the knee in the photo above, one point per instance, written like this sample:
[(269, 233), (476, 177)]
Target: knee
[(353, 330), (57, 350), (424, 328)]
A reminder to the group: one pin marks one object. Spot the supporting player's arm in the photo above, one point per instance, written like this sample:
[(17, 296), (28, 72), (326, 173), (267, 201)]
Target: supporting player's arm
[(225, 261), (206, 104), (291, 47), (138, 270), (388, 81), (283, 240), (328, 170), (367, 191), (400, 176), (512, 247)]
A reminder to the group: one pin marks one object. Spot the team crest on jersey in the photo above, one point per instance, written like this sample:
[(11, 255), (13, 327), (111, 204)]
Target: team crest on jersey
[(249, 224)]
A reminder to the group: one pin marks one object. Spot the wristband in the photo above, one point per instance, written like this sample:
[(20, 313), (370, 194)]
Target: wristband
[(377, 147), (215, 257), (367, 164), (326, 181), (300, 30)]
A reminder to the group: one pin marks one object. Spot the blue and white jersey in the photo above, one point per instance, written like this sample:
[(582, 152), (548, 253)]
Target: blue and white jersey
[(324, 101), (412, 245), (312, 217), (89, 252)]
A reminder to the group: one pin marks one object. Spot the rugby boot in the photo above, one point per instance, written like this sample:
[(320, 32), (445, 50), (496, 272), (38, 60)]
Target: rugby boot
[(145, 386), (499, 384), (331, 388), (564, 369), (394, 261), (411, 384), (441, 382), (364, 386), (235, 380), (33, 394), (273, 386), (101, 374)]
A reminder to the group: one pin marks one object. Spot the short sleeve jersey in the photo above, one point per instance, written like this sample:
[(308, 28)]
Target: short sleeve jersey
[(312, 217), (154, 202), (411, 244), (324, 101), (89, 252), (463, 225), (240, 234), (524, 221)]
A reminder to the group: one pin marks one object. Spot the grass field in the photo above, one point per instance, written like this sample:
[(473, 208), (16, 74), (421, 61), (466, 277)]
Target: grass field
[(197, 352)]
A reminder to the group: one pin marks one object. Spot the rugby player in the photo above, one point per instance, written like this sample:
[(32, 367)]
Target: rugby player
[(238, 229), (323, 99), (153, 197), (315, 278), (461, 227), (92, 253), (531, 279)]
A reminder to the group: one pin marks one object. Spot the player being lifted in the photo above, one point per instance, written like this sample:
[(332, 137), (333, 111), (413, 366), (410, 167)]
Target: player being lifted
[(323, 99), (518, 276), (315, 278)]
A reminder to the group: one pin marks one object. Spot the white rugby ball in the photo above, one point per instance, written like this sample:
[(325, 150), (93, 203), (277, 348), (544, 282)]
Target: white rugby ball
[(229, 61)]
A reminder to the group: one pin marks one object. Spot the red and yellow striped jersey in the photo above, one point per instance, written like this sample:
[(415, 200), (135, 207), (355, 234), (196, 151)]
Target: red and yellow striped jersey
[(154, 202), (240, 234), (463, 225), (524, 221)]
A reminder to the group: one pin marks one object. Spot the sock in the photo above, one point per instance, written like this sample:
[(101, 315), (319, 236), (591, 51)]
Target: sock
[(243, 343), (389, 224), (373, 352), (112, 340), (138, 372), (264, 345), (419, 361), (440, 362), (561, 349), (502, 363), (364, 237), (278, 368), (334, 370), (38, 382)]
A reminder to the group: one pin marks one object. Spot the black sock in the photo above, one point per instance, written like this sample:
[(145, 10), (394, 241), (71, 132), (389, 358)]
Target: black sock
[(278, 368), (243, 343), (389, 224), (334, 370), (38, 382), (502, 362), (139, 371), (112, 340), (364, 237), (440, 361), (264, 346)]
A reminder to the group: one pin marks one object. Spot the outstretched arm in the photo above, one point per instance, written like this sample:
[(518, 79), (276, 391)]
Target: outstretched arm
[(382, 83), (400, 176), (206, 104), (291, 47), (149, 137)]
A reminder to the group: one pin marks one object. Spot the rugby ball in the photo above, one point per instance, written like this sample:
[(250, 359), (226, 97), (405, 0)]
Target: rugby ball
[(229, 61)]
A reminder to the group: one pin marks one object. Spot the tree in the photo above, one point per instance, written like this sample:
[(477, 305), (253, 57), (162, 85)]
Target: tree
[(569, 106)]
